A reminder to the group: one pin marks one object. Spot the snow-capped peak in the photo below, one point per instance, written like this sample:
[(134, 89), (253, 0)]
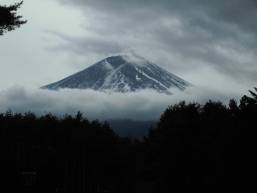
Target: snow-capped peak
[(123, 73)]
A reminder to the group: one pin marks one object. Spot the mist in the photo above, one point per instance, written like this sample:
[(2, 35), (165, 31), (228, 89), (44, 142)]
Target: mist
[(141, 105)]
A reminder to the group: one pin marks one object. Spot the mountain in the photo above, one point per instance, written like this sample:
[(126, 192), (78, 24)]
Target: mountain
[(131, 128), (122, 73)]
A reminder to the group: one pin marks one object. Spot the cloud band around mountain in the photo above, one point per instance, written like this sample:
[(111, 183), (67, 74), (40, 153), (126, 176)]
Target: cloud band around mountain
[(142, 105)]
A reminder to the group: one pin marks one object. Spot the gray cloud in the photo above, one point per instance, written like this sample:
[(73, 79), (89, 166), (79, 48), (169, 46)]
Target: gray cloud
[(90, 45), (182, 35), (212, 44), (208, 43), (143, 105)]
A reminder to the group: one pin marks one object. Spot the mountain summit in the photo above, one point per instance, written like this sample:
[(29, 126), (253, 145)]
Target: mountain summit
[(122, 74)]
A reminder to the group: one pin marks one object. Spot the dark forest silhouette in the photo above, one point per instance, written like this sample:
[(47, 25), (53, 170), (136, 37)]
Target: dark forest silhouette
[(9, 20), (192, 145)]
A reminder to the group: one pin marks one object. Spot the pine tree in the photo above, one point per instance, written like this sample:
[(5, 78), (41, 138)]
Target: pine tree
[(9, 20), (254, 95), (249, 100)]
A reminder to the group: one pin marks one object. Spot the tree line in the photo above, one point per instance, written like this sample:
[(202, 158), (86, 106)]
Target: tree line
[(192, 145)]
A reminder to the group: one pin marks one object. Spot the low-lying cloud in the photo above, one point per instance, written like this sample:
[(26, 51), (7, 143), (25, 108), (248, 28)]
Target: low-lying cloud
[(142, 105)]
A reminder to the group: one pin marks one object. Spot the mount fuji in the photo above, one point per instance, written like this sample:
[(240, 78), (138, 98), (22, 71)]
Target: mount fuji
[(123, 73)]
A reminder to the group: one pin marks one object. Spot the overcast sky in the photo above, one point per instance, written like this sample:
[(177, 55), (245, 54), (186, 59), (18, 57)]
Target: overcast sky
[(212, 44)]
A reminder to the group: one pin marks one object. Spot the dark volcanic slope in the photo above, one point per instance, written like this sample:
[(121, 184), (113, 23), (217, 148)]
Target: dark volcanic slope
[(122, 74)]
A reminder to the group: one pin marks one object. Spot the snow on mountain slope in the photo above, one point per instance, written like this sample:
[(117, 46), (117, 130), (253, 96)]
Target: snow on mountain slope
[(122, 74)]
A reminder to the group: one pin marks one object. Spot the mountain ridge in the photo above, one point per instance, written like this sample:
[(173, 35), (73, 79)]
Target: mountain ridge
[(122, 73)]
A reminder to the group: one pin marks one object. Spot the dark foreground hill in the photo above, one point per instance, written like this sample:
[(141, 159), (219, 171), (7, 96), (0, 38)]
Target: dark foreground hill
[(191, 146), (131, 128)]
